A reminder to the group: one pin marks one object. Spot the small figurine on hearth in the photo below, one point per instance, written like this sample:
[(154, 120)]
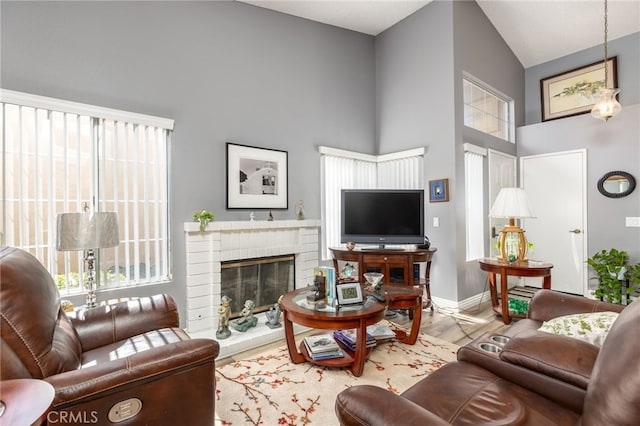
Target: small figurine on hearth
[(273, 316), (247, 320), (223, 318)]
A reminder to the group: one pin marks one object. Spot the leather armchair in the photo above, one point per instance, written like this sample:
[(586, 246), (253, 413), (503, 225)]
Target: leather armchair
[(536, 379), (106, 362)]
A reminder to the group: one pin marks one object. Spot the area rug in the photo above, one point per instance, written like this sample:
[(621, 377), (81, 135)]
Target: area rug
[(269, 389)]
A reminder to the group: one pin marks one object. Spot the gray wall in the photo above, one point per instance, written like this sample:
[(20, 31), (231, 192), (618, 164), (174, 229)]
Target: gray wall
[(481, 52), (419, 69), (627, 49), (225, 71), (415, 107)]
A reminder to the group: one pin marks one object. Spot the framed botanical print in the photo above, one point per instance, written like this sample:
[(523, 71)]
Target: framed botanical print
[(575, 92)]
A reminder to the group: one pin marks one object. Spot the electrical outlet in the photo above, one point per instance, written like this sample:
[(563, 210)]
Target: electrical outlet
[(436, 222), (632, 221)]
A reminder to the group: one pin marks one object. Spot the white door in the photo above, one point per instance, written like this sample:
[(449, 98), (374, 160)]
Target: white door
[(556, 187), (502, 174)]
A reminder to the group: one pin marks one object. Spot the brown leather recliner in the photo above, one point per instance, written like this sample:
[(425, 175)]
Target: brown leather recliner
[(536, 379), (104, 361)]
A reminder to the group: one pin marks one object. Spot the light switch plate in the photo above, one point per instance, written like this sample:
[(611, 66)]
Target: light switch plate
[(632, 221), (436, 222)]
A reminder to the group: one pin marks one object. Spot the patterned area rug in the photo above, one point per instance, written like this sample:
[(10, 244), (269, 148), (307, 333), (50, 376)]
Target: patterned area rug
[(270, 390)]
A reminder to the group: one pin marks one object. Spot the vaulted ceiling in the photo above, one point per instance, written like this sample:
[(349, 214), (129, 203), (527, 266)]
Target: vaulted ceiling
[(536, 31)]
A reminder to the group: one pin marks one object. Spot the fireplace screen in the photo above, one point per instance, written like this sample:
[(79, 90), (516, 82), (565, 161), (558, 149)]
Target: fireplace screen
[(262, 280)]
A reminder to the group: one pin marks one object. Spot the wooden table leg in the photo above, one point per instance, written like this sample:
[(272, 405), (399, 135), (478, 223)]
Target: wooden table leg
[(296, 357), (428, 288), (415, 324), (504, 296), (546, 282), (361, 350), (493, 290)]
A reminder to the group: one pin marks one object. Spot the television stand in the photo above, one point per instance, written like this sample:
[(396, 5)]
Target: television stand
[(380, 247), (397, 265)]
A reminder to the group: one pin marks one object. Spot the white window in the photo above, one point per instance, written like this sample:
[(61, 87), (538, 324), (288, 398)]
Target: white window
[(342, 169), (60, 156), (488, 111), (474, 200)]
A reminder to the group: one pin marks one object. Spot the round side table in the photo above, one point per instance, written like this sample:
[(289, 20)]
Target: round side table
[(25, 401)]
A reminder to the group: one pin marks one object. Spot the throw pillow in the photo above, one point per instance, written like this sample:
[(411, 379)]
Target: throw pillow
[(591, 327)]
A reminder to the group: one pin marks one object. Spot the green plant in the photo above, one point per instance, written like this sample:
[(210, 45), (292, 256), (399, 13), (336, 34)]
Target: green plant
[(616, 278), (204, 217)]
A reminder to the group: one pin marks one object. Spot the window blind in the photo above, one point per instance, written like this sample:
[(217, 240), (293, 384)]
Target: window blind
[(351, 170), (58, 161), (474, 199)]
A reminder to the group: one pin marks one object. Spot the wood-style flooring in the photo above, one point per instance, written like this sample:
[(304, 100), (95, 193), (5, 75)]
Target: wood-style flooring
[(456, 327)]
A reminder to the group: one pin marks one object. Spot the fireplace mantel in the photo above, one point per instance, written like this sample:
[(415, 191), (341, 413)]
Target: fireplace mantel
[(234, 240)]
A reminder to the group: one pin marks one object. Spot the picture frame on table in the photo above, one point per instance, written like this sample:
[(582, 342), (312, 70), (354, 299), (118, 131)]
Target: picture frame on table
[(438, 190), (575, 92), (349, 293), (257, 178)]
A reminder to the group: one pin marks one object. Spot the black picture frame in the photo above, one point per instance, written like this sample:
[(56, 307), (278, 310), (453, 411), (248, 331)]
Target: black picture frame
[(574, 92), (257, 178)]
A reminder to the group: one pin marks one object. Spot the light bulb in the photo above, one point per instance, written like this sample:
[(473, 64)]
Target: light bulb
[(607, 105)]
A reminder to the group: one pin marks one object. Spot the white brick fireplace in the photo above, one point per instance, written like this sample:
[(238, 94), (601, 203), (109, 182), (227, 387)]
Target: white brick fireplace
[(237, 240)]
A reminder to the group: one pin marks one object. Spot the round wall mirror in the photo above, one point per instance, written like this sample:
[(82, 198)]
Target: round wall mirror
[(616, 184)]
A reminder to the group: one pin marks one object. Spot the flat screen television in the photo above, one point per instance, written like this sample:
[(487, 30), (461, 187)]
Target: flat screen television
[(382, 216)]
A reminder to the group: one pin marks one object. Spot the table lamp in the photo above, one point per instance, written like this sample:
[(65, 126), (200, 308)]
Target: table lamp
[(512, 204), (87, 231)]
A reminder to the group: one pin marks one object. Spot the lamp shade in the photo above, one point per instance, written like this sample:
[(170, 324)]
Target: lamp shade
[(85, 231), (511, 203)]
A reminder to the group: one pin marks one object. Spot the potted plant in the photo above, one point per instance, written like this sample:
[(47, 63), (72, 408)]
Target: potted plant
[(204, 217), (616, 278)]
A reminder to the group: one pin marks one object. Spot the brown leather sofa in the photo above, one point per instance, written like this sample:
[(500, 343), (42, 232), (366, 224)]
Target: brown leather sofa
[(103, 362), (534, 378)]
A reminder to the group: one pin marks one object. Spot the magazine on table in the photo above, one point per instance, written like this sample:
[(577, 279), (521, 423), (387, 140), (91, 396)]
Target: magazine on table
[(381, 332), (321, 343), (348, 337)]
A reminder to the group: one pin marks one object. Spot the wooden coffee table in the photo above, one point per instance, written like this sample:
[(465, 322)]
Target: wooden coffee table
[(359, 319), (398, 297)]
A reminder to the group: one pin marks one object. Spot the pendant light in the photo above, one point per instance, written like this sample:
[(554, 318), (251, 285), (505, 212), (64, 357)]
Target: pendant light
[(607, 105)]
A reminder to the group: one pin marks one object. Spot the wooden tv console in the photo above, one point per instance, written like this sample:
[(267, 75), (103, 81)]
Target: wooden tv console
[(396, 265)]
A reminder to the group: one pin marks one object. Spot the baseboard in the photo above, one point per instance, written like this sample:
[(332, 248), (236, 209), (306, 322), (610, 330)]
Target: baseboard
[(462, 305)]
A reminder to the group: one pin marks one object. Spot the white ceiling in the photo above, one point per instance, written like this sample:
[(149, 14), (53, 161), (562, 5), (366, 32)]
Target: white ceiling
[(536, 31)]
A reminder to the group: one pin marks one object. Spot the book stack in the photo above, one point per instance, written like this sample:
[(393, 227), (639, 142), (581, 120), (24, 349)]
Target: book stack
[(322, 346), (381, 333), (348, 338)]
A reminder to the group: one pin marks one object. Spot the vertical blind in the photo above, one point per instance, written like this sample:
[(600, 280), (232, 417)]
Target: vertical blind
[(474, 204), (350, 170), (61, 156)]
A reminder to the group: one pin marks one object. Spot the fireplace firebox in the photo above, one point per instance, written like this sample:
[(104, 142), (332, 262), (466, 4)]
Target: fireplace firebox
[(262, 280)]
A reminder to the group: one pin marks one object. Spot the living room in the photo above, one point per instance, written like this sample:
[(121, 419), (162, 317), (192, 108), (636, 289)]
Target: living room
[(233, 72)]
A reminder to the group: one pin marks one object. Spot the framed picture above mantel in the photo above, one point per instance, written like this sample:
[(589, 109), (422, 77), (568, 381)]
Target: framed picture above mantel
[(575, 92), (257, 178)]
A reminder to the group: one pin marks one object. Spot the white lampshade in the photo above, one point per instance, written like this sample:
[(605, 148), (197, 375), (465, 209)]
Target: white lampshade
[(511, 203), (85, 231)]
